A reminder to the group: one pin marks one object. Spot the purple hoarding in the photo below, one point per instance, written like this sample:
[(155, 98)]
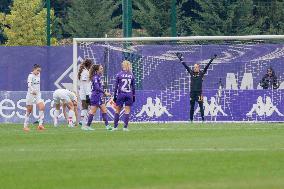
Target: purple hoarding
[(234, 105)]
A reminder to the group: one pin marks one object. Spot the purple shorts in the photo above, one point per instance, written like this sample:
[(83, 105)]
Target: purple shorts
[(96, 100), (124, 98)]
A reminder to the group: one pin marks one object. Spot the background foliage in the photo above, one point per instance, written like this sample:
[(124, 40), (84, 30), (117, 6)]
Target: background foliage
[(22, 22)]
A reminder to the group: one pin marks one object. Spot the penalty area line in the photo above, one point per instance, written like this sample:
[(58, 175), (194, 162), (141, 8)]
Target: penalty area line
[(147, 150)]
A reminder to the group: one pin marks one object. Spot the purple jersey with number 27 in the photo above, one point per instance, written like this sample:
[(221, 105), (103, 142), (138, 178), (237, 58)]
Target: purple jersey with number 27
[(124, 88)]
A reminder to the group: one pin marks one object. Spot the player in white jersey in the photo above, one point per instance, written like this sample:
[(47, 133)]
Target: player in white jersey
[(34, 97), (65, 97), (84, 88)]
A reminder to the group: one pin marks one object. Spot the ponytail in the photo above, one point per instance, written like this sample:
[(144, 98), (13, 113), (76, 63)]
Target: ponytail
[(80, 70)]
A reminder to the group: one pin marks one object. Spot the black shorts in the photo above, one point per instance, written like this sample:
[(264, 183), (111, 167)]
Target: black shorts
[(196, 96), (88, 100)]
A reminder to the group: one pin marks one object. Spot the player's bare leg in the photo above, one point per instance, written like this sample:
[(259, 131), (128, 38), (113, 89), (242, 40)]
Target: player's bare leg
[(76, 113), (56, 114), (41, 116), (27, 117), (71, 114), (104, 116), (84, 113)]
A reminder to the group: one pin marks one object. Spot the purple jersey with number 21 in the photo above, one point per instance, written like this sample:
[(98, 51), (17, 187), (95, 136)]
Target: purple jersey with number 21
[(124, 88)]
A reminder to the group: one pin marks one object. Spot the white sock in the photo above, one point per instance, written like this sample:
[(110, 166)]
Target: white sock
[(86, 117), (55, 119), (27, 117), (83, 115), (70, 116), (41, 117)]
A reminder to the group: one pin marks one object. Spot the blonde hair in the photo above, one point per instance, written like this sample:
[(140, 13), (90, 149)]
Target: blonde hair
[(126, 66)]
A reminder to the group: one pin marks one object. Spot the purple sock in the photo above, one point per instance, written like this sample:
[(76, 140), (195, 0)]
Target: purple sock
[(116, 119), (126, 120), (104, 116), (90, 119)]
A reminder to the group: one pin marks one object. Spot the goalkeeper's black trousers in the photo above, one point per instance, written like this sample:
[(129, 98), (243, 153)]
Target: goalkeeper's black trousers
[(196, 96)]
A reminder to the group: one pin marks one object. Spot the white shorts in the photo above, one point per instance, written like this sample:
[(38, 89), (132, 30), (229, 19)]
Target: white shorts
[(33, 99), (83, 94), (84, 91), (60, 97)]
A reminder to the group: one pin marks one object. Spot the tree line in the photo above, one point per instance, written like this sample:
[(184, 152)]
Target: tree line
[(23, 22)]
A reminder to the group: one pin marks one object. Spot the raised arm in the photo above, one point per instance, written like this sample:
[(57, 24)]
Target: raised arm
[(180, 57), (207, 66), (187, 67)]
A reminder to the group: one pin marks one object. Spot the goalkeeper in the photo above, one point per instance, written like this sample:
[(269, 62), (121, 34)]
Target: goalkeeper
[(196, 79)]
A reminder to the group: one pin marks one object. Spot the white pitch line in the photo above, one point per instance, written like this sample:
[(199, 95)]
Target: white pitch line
[(53, 131), (218, 149), (164, 128), (148, 150)]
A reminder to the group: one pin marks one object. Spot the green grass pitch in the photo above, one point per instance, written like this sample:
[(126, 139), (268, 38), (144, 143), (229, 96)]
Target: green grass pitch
[(154, 156)]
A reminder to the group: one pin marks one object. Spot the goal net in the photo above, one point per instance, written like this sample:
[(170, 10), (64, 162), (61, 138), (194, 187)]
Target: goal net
[(232, 86)]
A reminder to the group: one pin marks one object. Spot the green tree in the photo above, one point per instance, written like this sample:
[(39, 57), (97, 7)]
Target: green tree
[(4, 5), (269, 16), (4, 8), (26, 23), (224, 18), (89, 18), (154, 16), (60, 10)]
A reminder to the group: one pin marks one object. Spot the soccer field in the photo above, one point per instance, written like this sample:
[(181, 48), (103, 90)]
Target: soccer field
[(155, 156)]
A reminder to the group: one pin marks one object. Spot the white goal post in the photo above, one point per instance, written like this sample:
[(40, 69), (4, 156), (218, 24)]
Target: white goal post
[(187, 38)]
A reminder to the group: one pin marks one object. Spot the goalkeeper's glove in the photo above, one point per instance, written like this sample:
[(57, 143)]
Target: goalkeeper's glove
[(180, 56)]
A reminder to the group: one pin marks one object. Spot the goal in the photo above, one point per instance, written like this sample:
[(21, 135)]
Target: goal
[(231, 87)]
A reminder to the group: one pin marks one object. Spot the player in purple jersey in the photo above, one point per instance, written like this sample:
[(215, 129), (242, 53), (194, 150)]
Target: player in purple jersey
[(96, 73), (124, 93)]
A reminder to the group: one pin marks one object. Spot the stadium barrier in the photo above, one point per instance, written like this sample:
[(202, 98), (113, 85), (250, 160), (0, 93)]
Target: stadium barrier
[(230, 106)]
